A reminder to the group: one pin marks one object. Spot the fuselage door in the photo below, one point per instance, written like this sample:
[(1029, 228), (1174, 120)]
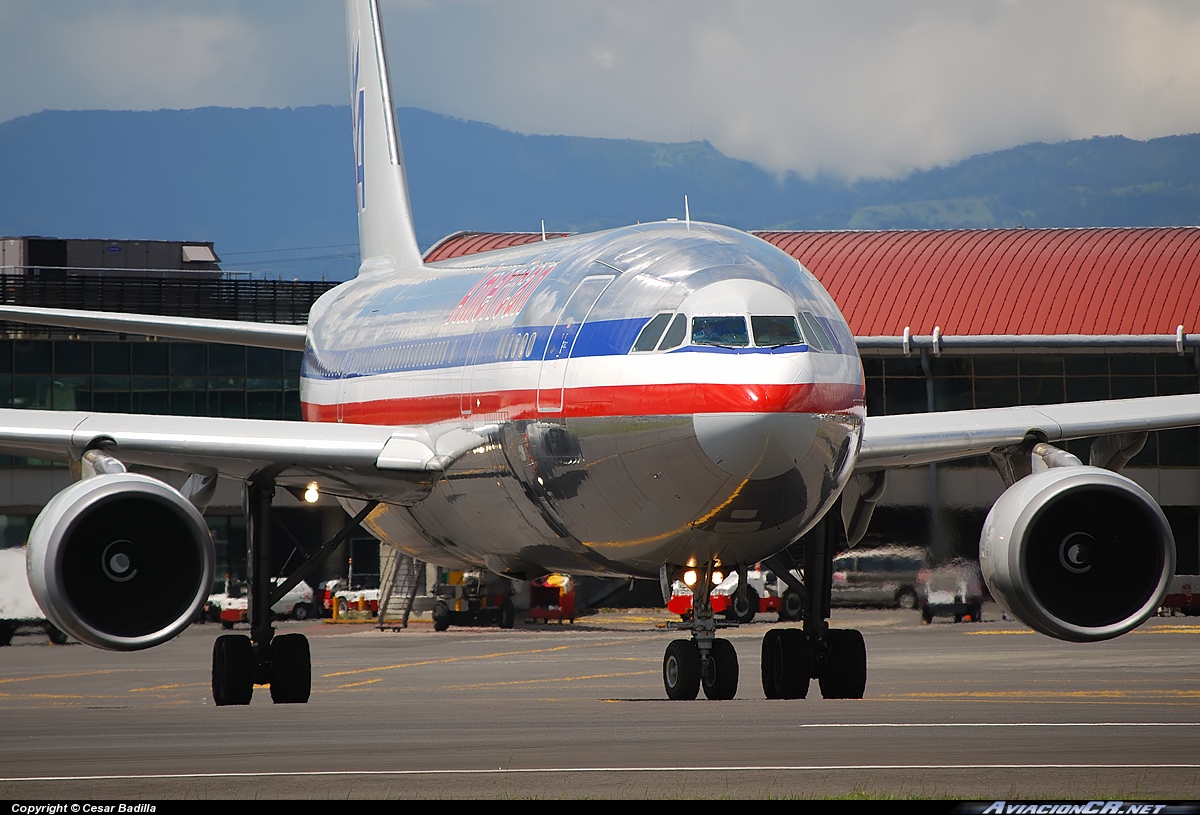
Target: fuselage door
[(467, 394), (343, 389), (562, 338)]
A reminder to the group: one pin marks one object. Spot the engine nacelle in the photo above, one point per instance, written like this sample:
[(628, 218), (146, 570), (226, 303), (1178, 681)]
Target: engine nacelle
[(1079, 553), (120, 561)]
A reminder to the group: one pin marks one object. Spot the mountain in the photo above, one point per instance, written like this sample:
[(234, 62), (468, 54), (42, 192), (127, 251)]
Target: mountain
[(273, 187)]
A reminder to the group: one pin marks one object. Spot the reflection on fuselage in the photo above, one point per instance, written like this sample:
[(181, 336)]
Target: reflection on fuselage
[(606, 452)]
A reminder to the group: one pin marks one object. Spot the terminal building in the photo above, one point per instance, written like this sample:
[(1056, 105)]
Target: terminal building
[(944, 320), (64, 369)]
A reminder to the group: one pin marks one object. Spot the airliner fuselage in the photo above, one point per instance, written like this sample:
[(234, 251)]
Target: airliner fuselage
[(661, 393)]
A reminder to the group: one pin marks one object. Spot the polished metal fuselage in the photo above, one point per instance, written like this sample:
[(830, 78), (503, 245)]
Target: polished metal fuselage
[(597, 459)]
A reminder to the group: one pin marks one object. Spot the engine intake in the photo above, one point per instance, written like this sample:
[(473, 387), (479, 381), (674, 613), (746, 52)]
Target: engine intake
[(120, 561), (1079, 553)]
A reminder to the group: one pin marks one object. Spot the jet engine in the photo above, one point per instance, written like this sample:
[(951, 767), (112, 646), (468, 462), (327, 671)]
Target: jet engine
[(1079, 553), (120, 561)]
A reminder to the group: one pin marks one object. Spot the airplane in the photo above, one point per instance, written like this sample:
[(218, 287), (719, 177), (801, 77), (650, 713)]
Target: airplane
[(672, 400)]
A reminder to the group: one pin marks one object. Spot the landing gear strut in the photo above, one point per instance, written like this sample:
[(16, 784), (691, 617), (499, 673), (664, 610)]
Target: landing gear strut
[(240, 662), (791, 657), (704, 661)]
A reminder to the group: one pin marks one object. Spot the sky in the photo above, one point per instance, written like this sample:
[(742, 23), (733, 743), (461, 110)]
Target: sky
[(839, 89)]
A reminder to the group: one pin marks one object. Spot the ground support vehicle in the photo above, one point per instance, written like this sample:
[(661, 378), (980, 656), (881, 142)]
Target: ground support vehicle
[(765, 594), (552, 598), (1183, 597), (28, 625), (884, 576), (222, 590), (953, 590), (351, 600), (471, 601), (19, 611), (296, 604)]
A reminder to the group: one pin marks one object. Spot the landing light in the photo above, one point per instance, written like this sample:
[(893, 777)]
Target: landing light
[(690, 577), (311, 493)]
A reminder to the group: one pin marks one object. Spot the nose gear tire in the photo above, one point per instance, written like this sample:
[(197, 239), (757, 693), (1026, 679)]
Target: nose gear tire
[(681, 670)]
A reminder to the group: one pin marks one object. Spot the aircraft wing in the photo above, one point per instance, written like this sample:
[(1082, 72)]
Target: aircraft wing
[(924, 438), (350, 460), (198, 329)]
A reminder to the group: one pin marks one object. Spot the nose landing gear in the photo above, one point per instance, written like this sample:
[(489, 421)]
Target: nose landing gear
[(704, 661), (791, 657)]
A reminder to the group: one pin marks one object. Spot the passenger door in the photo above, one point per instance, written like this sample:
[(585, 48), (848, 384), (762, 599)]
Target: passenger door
[(562, 338)]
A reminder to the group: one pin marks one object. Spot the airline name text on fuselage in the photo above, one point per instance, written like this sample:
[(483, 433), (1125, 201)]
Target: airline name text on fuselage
[(503, 293)]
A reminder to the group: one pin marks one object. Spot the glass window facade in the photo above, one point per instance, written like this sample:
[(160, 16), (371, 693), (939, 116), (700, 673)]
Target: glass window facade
[(176, 378), (898, 385), (181, 378)]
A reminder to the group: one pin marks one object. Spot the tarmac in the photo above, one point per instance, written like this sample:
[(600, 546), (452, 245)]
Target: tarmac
[(978, 711)]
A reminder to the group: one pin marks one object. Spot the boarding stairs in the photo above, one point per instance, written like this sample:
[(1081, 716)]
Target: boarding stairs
[(402, 577)]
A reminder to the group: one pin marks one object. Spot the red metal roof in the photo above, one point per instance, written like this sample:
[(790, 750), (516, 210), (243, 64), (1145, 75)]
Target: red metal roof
[(472, 243), (986, 281)]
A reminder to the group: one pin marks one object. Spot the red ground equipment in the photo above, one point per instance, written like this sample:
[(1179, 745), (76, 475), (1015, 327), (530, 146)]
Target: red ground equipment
[(552, 598)]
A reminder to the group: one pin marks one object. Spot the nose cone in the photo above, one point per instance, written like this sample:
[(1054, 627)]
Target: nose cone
[(756, 445)]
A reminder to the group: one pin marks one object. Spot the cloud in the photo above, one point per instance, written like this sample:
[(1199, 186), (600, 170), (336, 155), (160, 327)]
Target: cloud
[(136, 54), (848, 89)]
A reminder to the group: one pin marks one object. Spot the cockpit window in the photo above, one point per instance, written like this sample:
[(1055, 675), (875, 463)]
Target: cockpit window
[(675, 333), (652, 333), (729, 332), (816, 333), (772, 332)]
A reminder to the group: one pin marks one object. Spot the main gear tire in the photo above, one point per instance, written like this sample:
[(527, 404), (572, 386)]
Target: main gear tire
[(721, 680), (291, 669), (845, 672), (232, 670)]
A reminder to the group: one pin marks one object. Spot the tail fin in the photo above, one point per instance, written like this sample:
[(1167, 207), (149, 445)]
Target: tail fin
[(385, 223)]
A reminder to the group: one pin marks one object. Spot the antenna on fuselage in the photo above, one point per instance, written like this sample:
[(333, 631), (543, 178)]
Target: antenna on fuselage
[(543, 230), (687, 214)]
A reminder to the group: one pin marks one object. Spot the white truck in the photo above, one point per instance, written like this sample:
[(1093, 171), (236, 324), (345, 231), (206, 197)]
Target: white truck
[(19, 612), (296, 604)]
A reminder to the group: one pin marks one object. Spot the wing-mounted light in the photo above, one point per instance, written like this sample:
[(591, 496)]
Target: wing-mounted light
[(1077, 552)]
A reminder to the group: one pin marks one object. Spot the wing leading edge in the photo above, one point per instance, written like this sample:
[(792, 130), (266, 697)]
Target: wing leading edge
[(924, 438), (392, 464), (230, 332)]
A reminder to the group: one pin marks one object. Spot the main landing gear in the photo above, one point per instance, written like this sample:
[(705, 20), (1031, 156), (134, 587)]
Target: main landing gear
[(791, 657), (283, 662)]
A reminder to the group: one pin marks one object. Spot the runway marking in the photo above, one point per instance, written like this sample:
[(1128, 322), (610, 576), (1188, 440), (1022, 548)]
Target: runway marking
[(545, 680), (1160, 628), (64, 676), (1047, 694), (497, 655), (596, 770), (358, 684), (998, 724), (1003, 631)]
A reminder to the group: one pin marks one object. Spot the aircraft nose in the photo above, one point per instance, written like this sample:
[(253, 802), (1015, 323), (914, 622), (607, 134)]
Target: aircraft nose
[(756, 445)]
